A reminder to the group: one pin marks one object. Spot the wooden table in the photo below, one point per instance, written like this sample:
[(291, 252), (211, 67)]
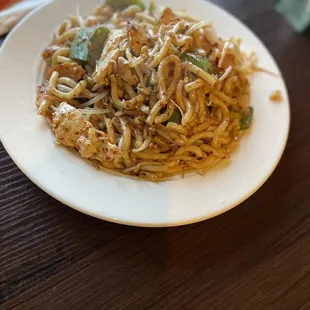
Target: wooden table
[(256, 256)]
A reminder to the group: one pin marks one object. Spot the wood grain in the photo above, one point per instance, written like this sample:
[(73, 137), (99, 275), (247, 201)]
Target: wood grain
[(257, 256)]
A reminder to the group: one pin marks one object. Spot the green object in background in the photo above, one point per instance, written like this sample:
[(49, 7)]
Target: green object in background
[(296, 12)]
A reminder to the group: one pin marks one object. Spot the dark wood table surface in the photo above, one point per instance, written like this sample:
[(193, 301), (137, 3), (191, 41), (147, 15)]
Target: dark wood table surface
[(257, 256)]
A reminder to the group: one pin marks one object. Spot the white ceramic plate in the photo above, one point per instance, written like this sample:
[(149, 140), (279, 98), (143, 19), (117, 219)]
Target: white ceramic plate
[(30, 142)]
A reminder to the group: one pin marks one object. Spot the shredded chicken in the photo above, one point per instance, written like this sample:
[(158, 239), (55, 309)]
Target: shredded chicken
[(109, 54), (41, 92), (168, 16), (49, 51), (96, 145), (125, 72), (42, 102), (137, 39), (72, 129), (72, 70), (228, 61)]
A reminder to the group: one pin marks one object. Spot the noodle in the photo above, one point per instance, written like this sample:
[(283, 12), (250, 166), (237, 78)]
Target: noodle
[(73, 93), (145, 94)]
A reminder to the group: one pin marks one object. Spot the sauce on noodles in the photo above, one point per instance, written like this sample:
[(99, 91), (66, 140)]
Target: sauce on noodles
[(145, 92)]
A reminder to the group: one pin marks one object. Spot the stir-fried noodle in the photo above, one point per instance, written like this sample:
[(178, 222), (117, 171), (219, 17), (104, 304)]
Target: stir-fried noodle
[(145, 92)]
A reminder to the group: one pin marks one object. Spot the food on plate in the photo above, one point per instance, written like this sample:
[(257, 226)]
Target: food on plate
[(276, 96), (144, 91)]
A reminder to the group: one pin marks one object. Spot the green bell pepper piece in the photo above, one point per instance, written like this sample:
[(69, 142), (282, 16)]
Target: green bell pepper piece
[(88, 45), (245, 123), (176, 117), (199, 61)]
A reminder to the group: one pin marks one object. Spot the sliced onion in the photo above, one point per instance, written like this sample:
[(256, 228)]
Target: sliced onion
[(94, 111), (224, 52), (225, 74), (94, 100)]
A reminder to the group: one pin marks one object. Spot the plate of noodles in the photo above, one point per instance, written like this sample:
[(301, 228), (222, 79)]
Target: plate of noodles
[(139, 113)]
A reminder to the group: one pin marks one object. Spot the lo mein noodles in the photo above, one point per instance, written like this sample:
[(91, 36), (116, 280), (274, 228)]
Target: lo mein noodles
[(145, 92)]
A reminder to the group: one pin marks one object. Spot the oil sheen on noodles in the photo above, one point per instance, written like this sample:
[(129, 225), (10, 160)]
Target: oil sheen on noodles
[(145, 92)]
